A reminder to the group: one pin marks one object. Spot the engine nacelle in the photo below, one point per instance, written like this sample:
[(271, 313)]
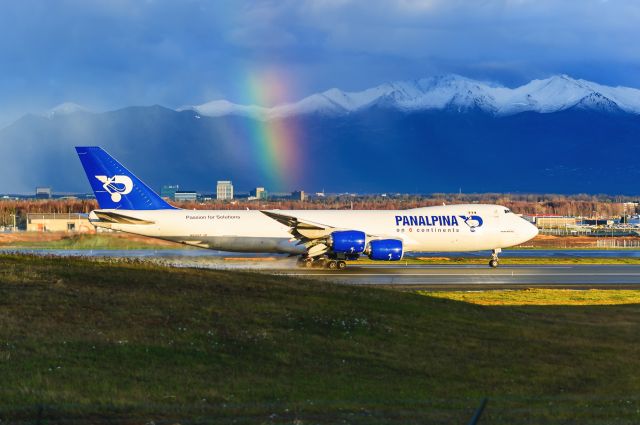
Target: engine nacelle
[(348, 241), (385, 250)]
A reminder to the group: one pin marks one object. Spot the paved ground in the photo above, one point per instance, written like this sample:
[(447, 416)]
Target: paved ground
[(441, 277), (476, 276)]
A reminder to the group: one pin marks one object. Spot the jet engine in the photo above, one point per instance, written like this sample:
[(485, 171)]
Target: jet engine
[(347, 241), (385, 250)]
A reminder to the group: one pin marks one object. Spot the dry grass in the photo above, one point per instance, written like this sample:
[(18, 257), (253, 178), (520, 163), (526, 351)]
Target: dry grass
[(556, 297)]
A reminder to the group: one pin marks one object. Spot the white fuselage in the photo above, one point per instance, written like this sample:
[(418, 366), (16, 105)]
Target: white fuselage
[(439, 228)]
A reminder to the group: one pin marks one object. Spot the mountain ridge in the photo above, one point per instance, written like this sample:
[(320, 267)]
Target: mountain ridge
[(452, 91), (355, 143), (441, 92)]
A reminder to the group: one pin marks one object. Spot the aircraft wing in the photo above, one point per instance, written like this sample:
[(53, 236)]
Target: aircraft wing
[(316, 237), (303, 230)]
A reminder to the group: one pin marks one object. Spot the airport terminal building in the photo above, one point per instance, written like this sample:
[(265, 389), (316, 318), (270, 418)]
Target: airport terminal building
[(52, 222)]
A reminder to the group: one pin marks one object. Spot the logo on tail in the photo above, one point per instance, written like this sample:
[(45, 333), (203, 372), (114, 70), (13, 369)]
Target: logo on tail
[(116, 186)]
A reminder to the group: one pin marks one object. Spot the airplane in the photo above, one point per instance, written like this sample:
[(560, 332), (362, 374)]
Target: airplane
[(320, 238)]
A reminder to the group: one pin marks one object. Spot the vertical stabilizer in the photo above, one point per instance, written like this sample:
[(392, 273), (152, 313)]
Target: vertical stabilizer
[(116, 187)]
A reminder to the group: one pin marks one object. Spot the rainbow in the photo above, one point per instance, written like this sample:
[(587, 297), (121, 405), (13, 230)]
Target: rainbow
[(275, 141)]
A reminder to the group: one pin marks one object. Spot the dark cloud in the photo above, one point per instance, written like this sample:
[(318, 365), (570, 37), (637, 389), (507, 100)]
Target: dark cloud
[(111, 53)]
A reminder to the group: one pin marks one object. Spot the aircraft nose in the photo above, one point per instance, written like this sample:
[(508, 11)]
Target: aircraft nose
[(529, 230)]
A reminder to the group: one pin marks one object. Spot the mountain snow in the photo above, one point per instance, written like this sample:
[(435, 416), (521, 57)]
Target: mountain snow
[(218, 108), (66, 108), (452, 92)]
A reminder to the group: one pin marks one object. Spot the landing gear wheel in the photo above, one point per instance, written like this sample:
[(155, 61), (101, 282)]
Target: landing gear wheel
[(332, 264), (342, 265), (319, 263), (308, 263), (493, 263)]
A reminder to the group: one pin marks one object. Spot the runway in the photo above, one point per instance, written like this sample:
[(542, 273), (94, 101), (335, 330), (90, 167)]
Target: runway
[(482, 277), (440, 277)]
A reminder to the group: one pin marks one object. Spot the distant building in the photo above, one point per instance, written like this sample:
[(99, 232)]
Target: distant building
[(258, 193), (629, 208), (279, 195), (298, 195), (185, 195), (634, 220), (51, 222), (224, 190), (43, 192), (169, 191), (553, 221), (597, 222)]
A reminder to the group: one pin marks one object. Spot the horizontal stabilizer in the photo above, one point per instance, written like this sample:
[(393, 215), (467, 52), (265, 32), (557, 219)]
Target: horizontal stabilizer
[(112, 217)]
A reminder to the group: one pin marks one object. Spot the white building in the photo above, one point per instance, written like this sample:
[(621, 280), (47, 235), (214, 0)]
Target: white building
[(43, 192), (224, 190), (258, 193), (185, 195)]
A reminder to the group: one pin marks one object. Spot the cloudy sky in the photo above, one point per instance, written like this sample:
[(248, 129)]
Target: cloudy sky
[(107, 54)]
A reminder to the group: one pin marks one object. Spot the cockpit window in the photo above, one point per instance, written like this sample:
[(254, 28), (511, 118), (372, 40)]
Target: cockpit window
[(507, 211)]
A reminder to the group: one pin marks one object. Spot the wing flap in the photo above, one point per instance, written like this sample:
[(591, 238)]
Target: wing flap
[(303, 230)]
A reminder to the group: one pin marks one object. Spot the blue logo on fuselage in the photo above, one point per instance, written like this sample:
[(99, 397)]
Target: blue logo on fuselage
[(473, 221)]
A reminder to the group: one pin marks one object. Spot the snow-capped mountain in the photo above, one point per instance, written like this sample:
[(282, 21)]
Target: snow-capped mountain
[(435, 134), (453, 92), (66, 108), (220, 108)]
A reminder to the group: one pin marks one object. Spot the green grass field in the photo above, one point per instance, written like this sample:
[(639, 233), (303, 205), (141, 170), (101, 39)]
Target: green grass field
[(84, 241), (126, 342)]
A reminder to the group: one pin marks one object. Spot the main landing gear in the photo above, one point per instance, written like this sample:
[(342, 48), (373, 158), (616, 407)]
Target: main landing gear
[(320, 263), (493, 263)]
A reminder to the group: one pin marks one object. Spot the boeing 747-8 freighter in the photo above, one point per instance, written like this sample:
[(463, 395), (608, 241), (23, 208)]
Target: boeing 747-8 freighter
[(319, 237)]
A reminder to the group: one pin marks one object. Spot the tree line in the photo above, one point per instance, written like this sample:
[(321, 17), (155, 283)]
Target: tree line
[(529, 204)]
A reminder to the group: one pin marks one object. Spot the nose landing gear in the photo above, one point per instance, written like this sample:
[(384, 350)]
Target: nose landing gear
[(493, 263)]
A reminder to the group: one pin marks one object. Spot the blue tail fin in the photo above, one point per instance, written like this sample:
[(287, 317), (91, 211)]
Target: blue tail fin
[(114, 185)]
